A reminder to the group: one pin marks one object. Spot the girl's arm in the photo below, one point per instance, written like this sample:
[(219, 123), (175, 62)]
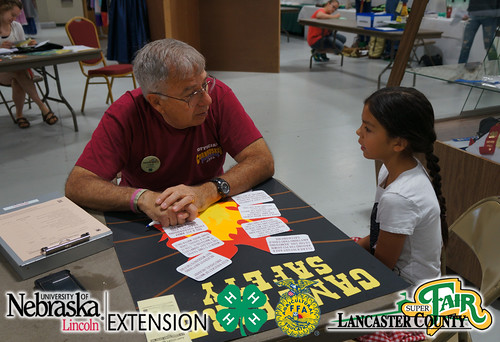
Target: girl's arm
[(323, 15), (389, 247), (364, 242)]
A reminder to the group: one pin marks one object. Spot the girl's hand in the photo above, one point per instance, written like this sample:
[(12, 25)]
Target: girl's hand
[(32, 42), (6, 45)]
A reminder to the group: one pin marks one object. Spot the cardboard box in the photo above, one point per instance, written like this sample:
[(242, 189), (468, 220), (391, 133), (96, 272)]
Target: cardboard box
[(372, 19)]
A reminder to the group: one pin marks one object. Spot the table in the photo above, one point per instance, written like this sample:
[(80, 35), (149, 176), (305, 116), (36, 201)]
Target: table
[(102, 272), (152, 272), (448, 46), (351, 27), (40, 62), (289, 16), (471, 75)]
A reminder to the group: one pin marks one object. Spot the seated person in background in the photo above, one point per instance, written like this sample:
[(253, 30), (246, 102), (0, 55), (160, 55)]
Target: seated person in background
[(321, 39), (408, 222), (169, 139), (21, 81)]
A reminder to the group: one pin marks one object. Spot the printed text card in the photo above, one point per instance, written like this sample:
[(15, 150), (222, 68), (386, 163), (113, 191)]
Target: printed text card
[(197, 244), (290, 244)]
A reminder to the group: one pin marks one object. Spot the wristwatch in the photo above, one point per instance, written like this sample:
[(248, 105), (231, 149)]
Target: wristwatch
[(223, 187)]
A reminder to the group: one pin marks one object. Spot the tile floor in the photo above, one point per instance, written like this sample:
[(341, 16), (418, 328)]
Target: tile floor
[(308, 118)]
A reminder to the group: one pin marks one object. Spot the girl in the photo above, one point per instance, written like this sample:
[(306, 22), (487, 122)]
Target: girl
[(11, 31), (408, 226)]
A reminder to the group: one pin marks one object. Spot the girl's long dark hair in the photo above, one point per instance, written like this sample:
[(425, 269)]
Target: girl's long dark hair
[(406, 113)]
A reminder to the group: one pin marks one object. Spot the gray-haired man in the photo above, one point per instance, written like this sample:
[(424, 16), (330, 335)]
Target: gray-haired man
[(169, 139)]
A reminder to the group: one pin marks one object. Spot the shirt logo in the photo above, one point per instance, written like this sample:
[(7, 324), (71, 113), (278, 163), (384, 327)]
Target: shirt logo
[(208, 153)]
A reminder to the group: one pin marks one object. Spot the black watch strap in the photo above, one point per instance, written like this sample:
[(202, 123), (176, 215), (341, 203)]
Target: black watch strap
[(222, 185)]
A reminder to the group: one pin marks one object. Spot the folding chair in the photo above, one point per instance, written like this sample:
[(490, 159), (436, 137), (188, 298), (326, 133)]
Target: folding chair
[(82, 31), (9, 104), (473, 252)]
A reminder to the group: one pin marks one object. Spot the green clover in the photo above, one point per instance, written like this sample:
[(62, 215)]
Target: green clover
[(245, 309)]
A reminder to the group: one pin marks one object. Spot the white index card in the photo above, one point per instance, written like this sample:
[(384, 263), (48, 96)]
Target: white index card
[(252, 197), (290, 244), (197, 244), (270, 226), (257, 211), (188, 228), (204, 265)]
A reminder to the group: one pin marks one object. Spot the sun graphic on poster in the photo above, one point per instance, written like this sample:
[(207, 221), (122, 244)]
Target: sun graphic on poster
[(224, 221)]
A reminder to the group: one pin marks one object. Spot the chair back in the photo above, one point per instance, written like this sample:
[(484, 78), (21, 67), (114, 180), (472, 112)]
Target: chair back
[(82, 31), (473, 249)]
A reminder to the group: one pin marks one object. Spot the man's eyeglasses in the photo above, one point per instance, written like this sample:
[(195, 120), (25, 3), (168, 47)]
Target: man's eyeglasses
[(195, 96)]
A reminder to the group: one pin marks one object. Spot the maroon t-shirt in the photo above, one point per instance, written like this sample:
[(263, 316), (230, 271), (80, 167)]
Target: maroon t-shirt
[(131, 130)]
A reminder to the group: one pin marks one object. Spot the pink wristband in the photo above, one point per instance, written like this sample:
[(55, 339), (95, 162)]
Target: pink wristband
[(133, 201)]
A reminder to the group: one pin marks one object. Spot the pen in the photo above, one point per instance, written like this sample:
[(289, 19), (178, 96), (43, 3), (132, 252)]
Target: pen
[(151, 224)]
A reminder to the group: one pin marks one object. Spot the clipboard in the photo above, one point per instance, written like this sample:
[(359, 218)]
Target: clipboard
[(42, 234)]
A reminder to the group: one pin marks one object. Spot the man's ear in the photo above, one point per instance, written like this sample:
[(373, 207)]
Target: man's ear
[(400, 144), (154, 100)]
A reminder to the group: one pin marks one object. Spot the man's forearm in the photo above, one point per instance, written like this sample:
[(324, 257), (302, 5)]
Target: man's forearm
[(251, 169), (242, 177), (88, 190)]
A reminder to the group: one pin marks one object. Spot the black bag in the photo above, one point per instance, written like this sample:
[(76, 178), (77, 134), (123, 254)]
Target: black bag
[(45, 47), (485, 125), (431, 60)]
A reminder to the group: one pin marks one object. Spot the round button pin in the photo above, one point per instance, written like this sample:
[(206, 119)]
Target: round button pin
[(150, 164)]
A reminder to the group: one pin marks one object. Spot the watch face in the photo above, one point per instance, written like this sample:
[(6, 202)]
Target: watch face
[(224, 187)]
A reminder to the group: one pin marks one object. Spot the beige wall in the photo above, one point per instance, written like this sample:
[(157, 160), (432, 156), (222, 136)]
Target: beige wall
[(59, 11)]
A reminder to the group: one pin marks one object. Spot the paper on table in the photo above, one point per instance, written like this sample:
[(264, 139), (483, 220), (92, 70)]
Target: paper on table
[(290, 244), (50, 223), (187, 228), (265, 227), (204, 265), (161, 305), (249, 212), (252, 197), (76, 48), (197, 244), (6, 51), (385, 29)]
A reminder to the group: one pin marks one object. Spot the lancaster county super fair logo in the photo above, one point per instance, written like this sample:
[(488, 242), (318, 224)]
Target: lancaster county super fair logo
[(439, 304)]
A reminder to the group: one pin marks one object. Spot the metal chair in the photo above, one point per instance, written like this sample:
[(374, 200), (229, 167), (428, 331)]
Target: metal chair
[(473, 252), (82, 31), (9, 104)]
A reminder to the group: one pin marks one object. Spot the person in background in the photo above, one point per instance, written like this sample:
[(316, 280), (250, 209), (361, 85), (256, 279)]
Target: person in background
[(362, 6), (483, 13), (169, 140), (321, 39), (392, 7), (21, 81)]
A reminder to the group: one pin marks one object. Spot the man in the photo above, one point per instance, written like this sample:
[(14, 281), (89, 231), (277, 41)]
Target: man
[(169, 139), (322, 39)]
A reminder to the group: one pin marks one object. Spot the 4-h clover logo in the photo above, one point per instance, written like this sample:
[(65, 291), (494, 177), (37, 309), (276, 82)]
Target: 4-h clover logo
[(242, 308)]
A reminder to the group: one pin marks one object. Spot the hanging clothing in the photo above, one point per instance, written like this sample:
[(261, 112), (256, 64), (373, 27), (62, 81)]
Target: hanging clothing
[(21, 18), (31, 13), (100, 8), (128, 29)]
